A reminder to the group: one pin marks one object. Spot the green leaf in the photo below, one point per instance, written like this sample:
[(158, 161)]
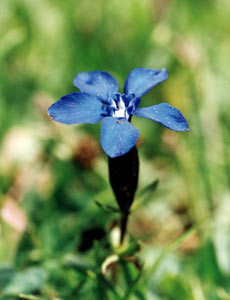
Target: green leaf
[(131, 250), (133, 286), (207, 266), (107, 208), (72, 261), (28, 281), (150, 188), (144, 194), (29, 297), (176, 287), (172, 246), (8, 297), (6, 274)]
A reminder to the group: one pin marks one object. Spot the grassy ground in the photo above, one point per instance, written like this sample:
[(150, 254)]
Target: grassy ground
[(54, 236)]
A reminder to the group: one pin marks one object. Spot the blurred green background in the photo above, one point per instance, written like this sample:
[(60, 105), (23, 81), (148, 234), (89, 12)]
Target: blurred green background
[(53, 236)]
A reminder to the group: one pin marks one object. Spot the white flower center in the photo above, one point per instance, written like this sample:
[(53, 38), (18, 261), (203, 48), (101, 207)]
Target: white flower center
[(120, 109), (120, 112)]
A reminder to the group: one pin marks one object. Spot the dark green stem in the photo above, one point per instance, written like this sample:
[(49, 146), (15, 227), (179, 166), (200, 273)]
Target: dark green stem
[(124, 223)]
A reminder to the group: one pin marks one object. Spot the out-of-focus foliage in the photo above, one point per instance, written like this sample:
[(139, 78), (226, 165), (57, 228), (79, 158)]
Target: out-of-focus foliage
[(53, 236)]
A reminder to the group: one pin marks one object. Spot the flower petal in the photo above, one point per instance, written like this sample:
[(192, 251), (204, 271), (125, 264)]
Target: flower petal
[(118, 136), (140, 80), (96, 83), (165, 114), (77, 108)]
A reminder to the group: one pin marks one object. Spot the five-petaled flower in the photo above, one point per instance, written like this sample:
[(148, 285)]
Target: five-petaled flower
[(99, 99)]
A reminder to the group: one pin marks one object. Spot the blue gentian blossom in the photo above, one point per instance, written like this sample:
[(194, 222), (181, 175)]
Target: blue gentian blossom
[(99, 100)]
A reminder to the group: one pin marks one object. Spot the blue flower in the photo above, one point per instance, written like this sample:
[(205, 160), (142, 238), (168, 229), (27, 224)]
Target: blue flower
[(99, 100)]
